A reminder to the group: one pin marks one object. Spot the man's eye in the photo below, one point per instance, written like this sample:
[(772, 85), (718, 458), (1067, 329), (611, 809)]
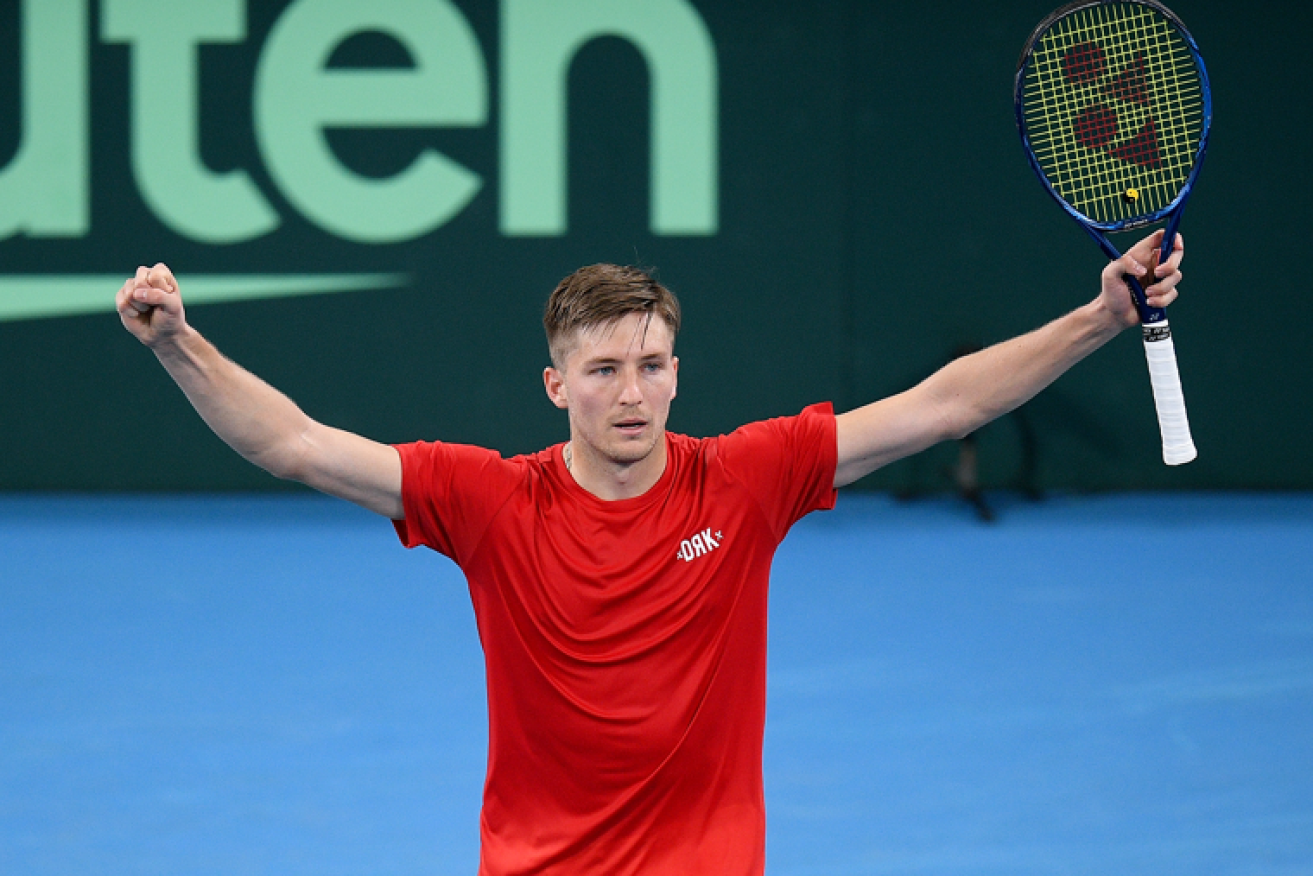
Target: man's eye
[(605, 370)]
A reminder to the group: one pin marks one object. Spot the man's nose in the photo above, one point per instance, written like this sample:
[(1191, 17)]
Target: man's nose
[(630, 393)]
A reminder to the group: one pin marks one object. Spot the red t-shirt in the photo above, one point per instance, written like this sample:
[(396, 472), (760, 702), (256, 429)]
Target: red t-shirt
[(625, 643)]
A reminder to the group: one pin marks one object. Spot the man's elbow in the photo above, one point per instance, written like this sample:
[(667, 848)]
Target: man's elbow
[(956, 417), (961, 426), (967, 418), (289, 460)]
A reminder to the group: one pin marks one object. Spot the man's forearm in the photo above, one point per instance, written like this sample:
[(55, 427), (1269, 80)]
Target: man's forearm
[(970, 392), (979, 388), (252, 417)]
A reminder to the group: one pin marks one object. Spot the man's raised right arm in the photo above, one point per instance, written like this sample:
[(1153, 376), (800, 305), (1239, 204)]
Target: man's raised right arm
[(259, 422)]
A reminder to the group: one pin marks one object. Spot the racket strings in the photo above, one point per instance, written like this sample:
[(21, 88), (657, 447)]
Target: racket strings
[(1113, 105)]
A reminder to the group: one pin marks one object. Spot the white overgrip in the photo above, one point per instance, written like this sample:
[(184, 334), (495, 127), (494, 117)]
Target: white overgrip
[(1178, 446)]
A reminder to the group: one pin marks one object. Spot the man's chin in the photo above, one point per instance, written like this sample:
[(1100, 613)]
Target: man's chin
[(629, 456), (631, 452)]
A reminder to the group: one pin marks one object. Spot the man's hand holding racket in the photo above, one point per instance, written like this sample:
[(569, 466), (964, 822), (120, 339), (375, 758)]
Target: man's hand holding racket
[(1141, 261), (150, 305)]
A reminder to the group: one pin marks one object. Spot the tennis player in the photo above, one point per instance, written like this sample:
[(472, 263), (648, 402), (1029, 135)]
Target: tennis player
[(619, 579)]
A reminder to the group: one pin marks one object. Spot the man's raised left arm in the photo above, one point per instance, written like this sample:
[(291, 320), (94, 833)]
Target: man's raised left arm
[(974, 390)]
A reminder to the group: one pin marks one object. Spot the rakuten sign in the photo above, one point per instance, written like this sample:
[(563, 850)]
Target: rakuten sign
[(45, 189)]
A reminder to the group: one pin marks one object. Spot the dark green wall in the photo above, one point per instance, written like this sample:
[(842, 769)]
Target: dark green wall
[(875, 215)]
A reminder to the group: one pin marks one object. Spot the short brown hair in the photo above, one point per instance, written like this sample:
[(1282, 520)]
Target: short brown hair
[(600, 294)]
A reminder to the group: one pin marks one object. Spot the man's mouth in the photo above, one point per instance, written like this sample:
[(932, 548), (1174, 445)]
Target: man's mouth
[(631, 425)]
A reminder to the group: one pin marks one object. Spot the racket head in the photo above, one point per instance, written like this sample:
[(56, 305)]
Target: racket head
[(1114, 110)]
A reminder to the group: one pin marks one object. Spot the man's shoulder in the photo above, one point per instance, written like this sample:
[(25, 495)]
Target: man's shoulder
[(458, 466), (456, 450), (815, 416)]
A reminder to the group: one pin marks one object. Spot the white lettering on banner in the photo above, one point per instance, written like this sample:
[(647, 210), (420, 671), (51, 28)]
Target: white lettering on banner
[(45, 189)]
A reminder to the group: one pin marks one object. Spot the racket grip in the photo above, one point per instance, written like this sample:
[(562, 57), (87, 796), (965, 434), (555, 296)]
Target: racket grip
[(1178, 446)]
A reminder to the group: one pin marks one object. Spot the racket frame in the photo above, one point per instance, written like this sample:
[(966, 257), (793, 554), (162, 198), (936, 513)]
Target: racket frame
[(1178, 446)]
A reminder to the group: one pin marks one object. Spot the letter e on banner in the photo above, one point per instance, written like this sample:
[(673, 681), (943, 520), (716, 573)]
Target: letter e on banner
[(296, 97)]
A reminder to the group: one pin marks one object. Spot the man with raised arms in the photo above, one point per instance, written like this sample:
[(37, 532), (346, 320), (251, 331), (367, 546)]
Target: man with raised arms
[(619, 579)]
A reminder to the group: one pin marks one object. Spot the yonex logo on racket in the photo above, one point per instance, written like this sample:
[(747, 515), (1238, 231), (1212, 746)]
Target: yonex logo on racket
[(1124, 93)]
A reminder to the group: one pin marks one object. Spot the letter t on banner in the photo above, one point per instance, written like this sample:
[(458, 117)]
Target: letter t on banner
[(166, 156)]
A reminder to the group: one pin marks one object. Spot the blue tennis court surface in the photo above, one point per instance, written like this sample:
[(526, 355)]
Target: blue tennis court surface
[(1092, 685)]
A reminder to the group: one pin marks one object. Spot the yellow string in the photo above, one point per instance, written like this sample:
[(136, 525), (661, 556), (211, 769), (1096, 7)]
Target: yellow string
[(1093, 180)]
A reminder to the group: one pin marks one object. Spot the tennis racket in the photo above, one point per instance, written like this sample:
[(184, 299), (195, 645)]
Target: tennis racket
[(1113, 107)]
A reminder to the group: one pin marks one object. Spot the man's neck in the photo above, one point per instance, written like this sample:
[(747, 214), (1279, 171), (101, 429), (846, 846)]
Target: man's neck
[(612, 481)]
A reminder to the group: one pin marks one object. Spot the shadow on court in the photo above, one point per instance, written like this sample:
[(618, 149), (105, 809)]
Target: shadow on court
[(233, 685)]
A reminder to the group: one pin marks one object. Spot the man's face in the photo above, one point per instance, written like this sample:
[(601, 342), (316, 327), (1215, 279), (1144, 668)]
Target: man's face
[(617, 382)]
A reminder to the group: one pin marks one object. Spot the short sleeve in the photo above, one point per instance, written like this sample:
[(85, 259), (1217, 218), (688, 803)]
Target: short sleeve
[(450, 492), (787, 464)]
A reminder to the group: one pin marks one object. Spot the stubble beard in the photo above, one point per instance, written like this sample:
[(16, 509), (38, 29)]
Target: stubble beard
[(631, 454), (621, 451)]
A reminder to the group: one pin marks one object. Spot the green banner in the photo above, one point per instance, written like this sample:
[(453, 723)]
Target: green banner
[(367, 203)]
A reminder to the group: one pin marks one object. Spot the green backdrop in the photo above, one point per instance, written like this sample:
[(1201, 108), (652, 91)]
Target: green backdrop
[(835, 190)]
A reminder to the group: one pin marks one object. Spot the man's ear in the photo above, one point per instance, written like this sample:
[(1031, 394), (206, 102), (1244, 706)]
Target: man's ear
[(674, 367), (554, 383)]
